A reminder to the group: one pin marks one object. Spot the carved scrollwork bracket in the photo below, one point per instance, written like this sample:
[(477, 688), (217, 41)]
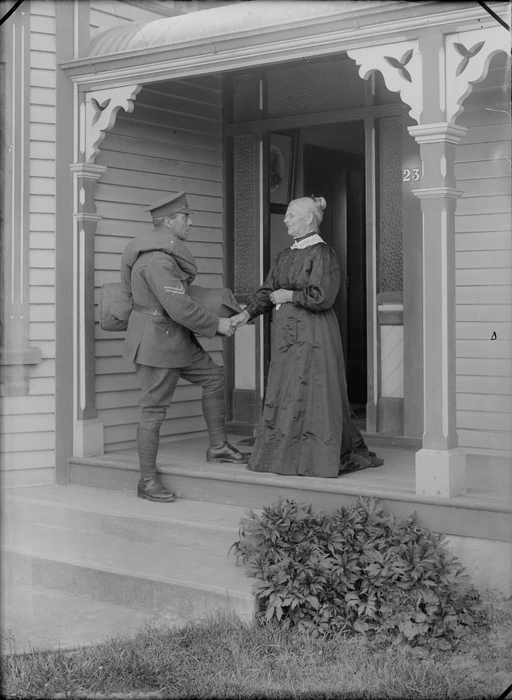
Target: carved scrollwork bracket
[(400, 65), (468, 55), (98, 115)]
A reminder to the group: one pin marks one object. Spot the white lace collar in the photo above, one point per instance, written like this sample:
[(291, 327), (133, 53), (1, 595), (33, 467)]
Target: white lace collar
[(306, 241)]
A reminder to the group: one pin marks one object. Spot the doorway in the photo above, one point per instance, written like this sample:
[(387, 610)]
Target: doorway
[(339, 178), (330, 163)]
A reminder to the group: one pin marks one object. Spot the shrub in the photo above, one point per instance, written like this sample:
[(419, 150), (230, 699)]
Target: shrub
[(359, 570)]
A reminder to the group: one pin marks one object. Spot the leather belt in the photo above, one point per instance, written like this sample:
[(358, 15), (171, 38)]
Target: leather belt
[(149, 312)]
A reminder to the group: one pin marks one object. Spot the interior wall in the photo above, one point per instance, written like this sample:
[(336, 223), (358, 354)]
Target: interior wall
[(347, 137)]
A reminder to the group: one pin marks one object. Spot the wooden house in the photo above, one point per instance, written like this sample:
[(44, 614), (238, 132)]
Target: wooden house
[(398, 113)]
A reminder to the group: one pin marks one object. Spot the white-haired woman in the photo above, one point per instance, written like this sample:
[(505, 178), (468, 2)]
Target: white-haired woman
[(306, 427)]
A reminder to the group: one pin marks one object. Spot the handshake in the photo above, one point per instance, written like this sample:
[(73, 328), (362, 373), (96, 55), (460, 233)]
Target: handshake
[(227, 326)]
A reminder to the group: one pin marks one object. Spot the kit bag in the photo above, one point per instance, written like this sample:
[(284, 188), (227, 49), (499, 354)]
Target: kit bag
[(115, 307)]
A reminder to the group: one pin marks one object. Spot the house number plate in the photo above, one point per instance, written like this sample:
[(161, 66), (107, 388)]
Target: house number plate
[(411, 175)]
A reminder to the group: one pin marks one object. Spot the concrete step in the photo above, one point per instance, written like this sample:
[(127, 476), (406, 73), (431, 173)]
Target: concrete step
[(205, 527), (172, 581)]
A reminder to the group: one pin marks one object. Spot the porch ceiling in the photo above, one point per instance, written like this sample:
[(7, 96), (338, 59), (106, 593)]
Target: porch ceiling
[(260, 32)]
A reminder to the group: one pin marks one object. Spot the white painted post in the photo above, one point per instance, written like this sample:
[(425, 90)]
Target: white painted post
[(440, 464), (88, 430)]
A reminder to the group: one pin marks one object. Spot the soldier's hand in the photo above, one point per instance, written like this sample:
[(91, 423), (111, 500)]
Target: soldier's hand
[(239, 320), (225, 327)]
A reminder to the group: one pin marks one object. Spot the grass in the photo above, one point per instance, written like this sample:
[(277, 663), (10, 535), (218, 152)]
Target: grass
[(223, 657)]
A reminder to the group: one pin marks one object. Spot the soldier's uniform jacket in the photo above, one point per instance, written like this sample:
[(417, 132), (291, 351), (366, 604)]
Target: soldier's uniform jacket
[(156, 272)]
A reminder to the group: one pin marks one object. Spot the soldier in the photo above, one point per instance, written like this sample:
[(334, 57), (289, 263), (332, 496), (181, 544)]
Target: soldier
[(155, 271)]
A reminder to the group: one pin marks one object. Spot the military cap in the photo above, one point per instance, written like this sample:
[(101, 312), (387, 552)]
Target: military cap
[(172, 204)]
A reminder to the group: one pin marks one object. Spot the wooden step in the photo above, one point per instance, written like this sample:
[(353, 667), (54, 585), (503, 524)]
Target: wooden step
[(206, 527), (187, 474), (169, 560)]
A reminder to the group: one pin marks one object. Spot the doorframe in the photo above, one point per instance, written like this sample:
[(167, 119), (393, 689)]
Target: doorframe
[(372, 350), (338, 174), (260, 128), (370, 168)]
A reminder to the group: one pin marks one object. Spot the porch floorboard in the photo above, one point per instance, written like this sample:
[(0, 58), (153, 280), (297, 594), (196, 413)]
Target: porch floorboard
[(489, 479)]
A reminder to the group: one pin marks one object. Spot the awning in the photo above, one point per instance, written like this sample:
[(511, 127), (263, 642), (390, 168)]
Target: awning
[(240, 21), (247, 34)]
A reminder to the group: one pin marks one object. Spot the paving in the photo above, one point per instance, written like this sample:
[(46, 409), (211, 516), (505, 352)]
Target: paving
[(35, 618)]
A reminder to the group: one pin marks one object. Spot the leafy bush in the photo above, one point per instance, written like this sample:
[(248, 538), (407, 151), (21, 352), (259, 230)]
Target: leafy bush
[(357, 570)]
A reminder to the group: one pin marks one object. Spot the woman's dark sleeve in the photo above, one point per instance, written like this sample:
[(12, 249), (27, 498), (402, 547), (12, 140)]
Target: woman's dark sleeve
[(260, 302), (323, 283)]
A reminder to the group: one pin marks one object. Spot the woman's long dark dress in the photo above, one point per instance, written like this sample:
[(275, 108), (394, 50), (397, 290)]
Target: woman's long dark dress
[(305, 424)]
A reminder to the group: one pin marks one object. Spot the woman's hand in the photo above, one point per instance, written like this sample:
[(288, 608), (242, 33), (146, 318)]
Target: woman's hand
[(239, 320), (281, 296)]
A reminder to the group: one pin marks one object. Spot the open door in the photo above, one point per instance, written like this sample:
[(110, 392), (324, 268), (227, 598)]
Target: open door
[(339, 178)]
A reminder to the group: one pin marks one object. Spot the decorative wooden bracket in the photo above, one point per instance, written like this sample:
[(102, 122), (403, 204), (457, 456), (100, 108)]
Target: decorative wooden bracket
[(98, 115), (468, 55), (400, 65)]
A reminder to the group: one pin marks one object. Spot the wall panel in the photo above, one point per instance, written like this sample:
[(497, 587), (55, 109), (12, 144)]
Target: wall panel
[(28, 422), (172, 141), (484, 267)]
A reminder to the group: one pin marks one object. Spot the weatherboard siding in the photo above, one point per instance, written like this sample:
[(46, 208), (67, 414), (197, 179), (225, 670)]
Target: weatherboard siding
[(172, 141), (483, 243), (28, 422)]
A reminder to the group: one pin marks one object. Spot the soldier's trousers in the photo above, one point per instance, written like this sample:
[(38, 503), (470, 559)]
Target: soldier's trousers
[(158, 385)]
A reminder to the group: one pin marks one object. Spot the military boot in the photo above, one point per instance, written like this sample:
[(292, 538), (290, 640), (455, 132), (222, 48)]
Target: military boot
[(226, 453), (148, 437), (151, 489)]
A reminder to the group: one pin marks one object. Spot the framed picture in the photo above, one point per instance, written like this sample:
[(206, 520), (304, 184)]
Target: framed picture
[(281, 164)]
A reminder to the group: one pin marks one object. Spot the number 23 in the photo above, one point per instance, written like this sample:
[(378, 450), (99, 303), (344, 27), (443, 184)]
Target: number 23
[(411, 175)]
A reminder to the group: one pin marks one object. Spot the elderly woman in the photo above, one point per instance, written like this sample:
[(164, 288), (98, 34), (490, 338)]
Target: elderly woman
[(306, 427)]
